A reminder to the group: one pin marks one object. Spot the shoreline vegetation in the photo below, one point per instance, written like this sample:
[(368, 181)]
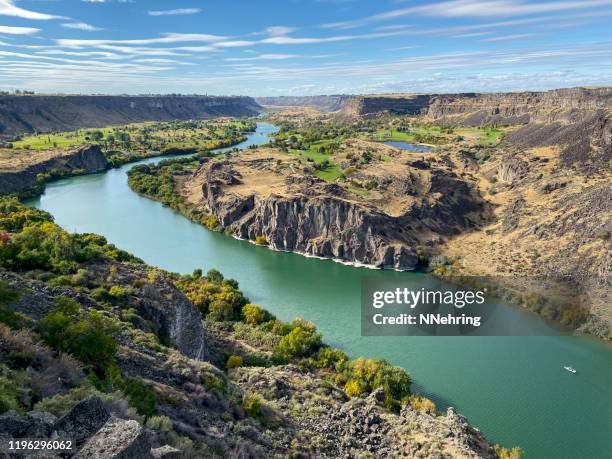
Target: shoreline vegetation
[(90, 323), (126, 144)]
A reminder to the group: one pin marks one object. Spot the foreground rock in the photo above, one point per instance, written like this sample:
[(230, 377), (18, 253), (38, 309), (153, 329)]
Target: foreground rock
[(117, 439)]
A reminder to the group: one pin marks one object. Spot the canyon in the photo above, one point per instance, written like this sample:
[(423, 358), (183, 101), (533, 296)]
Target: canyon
[(51, 113)]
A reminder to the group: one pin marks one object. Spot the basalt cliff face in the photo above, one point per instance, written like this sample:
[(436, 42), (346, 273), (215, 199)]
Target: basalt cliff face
[(327, 103), (17, 178), (470, 109), (26, 114), (266, 195)]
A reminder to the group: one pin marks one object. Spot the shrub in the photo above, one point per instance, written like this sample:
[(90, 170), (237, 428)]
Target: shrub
[(8, 395), (215, 276), (505, 453), (261, 240), (328, 357), (253, 314), (353, 388), (424, 404), (252, 405), (375, 373), (89, 337), (118, 293), (141, 397), (234, 361), (299, 342)]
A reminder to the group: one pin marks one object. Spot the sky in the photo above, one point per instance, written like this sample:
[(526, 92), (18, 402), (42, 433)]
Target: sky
[(303, 47)]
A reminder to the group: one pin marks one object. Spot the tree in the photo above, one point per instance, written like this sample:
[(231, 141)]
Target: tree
[(253, 314), (299, 343)]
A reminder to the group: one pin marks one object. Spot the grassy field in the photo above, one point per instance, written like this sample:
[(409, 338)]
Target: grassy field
[(312, 155), (140, 136), (330, 173), (438, 135), (483, 136), (59, 140)]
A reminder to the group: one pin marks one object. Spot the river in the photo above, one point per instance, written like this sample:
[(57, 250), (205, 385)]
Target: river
[(513, 388)]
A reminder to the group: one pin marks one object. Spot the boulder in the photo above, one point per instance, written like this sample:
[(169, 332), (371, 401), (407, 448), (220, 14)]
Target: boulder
[(117, 439), (166, 452), (83, 420)]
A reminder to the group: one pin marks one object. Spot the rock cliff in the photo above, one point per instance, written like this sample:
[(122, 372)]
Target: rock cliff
[(265, 195), (26, 114), (26, 176), (469, 109)]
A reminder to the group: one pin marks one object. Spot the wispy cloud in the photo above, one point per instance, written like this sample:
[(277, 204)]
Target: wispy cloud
[(8, 8), (18, 30), (165, 38), (176, 12), (518, 36), (276, 31), (81, 26), (279, 57), (473, 8)]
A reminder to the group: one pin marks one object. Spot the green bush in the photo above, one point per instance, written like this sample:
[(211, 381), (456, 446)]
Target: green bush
[(252, 405), (8, 395), (7, 294), (374, 373), (234, 361), (141, 397), (253, 314), (89, 337), (328, 357), (299, 342)]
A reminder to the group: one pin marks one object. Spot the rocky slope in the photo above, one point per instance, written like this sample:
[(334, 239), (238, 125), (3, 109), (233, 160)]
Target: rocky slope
[(27, 114), (329, 103), (171, 391), (468, 109), (19, 175), (269, 195)]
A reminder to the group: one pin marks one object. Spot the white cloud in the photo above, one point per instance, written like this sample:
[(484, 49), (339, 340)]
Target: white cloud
[(7, 8), (165, 38), (277, 57), (518, 36), (18, 30), (473, 8), (179, 11), (81, 26), (276, 31)]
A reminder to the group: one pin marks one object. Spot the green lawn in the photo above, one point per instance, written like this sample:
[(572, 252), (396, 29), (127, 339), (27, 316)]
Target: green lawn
[(329, 174), (59, 140), (486, 136), (358, 191), (152, 135)]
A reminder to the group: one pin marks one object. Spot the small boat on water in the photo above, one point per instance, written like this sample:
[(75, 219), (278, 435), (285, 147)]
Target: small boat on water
[(570, 369)]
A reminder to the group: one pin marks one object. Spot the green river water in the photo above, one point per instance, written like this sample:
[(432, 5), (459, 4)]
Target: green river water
[(513, 388)]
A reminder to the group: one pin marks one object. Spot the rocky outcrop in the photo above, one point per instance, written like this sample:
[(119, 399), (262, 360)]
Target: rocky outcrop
[(361, 427), (178, 321), (82, 421), (88, 159), (301, 213), (469, 109), (33, 113), (117, 439), (326, 227), (168, 313)]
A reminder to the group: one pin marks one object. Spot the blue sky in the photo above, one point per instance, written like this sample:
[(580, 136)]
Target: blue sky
[(302, 47)]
